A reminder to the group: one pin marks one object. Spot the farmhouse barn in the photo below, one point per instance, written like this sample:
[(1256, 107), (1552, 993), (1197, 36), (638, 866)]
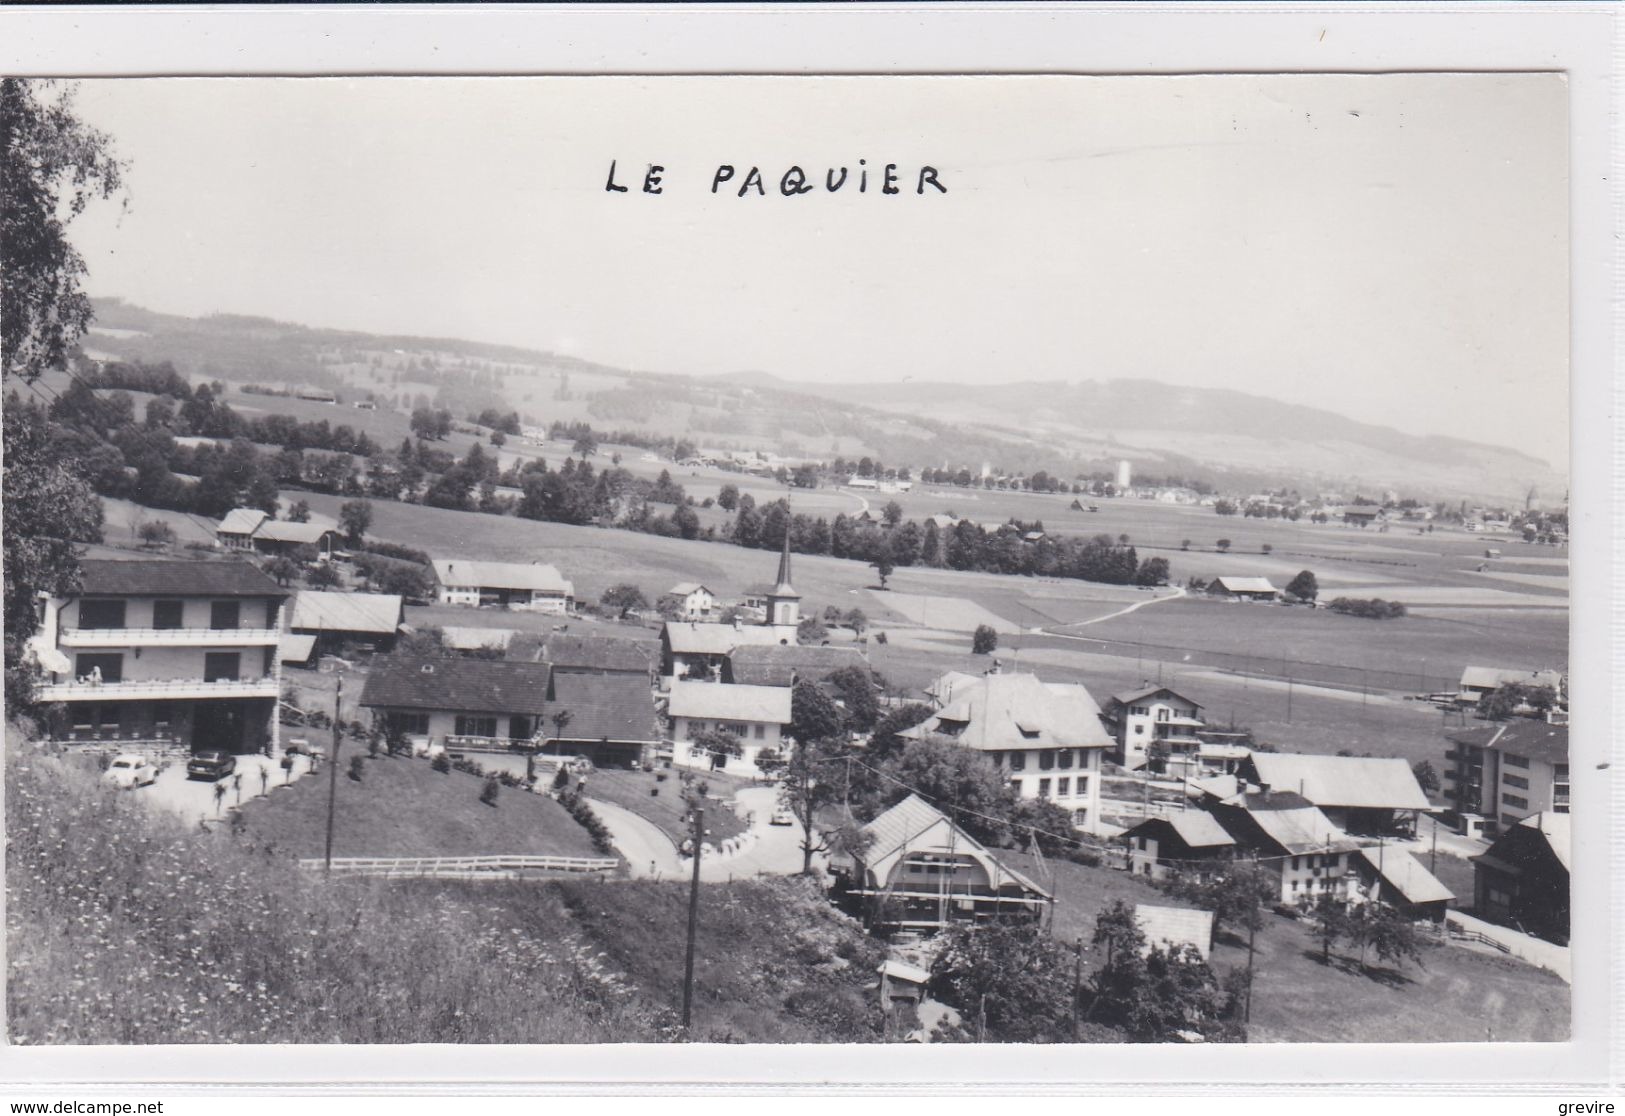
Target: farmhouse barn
[(1479, 682), (1299, 849), (1360, 793), (535, 587), (918, 871), (236, 531), (1243, 588), (786, 664), (337, 619), (278, 536), (609, 718), (1395, 877), (579, 654)]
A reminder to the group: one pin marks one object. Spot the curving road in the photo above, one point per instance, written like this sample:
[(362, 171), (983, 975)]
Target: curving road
[(649, 853), (1179, 591)]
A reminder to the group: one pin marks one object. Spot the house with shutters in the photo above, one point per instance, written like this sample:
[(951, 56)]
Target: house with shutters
[(1191, 842), (1046, 738), (164, 652), (757, 715), (1156, 725), (1360, 794), (691, 601), (532, 587)]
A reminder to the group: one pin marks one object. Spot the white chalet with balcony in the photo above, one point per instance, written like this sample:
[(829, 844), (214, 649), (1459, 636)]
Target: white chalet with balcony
[(164, 652)]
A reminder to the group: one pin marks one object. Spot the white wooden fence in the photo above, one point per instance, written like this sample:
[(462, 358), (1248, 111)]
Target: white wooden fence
[(462, 867)]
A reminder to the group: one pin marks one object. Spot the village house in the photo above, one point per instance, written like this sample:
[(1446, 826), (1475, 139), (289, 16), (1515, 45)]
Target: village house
[(691, 600), (608, 718), (1045, 737), (535, 587), (918, 871), (1297, 847), (236, 531), (458, 704), (589, 654), (778, 664), (1504, 771), (757, 715), (165, 652), (1189, 842), (1361, 515), (1361, 794), (1523, 880), (1155, 725), (366, 621), (297, 651), (1243, 588)]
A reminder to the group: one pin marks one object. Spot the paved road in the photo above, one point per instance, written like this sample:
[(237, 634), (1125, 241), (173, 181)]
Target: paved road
[(649, 853), (776, 850)]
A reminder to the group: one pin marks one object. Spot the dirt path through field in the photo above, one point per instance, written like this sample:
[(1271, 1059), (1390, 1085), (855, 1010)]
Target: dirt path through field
[(1174, 596)]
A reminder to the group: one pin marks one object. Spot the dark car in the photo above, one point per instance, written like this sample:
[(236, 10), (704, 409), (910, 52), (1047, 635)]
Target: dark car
[(211, 765)]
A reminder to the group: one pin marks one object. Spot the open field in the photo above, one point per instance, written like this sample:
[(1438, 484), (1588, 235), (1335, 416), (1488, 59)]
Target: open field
[(402, 807), (1297, 999)]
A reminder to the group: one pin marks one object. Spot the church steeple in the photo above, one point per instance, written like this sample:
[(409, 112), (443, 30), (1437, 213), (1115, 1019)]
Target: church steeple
[(783, 602)]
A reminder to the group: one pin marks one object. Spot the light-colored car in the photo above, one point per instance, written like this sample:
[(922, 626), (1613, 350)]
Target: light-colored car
[(782, 816), (131, 770)]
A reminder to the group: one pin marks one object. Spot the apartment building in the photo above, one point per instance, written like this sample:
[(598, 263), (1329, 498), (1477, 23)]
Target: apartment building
[(164, 652), (1505, 771)]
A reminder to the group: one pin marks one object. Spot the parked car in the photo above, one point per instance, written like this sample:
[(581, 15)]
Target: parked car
[(781, 817), (213, 765), (131, 770)]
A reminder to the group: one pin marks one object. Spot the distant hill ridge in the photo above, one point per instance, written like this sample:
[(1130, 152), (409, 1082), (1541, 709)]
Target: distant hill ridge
[(1230, 439)]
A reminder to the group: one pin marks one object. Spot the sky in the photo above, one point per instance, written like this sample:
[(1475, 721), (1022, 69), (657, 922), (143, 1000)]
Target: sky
[(1391, 247)]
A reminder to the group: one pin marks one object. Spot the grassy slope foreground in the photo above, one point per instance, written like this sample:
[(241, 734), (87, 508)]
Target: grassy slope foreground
[(403, 807), (126, 926)]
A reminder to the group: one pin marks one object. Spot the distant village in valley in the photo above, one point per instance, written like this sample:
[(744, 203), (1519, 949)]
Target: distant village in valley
[(935, 774), (373, 687)]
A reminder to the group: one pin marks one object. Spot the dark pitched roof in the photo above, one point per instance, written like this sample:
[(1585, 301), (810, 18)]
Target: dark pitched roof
[(1129, 697), (581, 652), (175, 577), (1521, 736), (604, 707), (781, 664), (457, 685)]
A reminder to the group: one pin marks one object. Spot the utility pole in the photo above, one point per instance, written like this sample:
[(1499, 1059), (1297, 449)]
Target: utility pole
[(333, 776), (1289, 699), (1252, 930), (693, 919), (1433, 851), (1077, 986)]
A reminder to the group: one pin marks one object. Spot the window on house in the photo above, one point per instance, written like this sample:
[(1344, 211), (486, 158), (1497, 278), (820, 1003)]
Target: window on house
[(222, 666), (101, 614), (1046, 759), (109, 717), (1515, 781), (1065, 757), (169, 614), (1497, 897), (1560, 772), (409, 723), (1139, 730), (471, 725), (1294, 867), (1516, 761), (109, 668), (1063, 788), (1018, 761), (84, 716), (1516, 802), (273, 608), (162, 714), (1043, 788), (761, 732), (224, 615), (1162, 712), (521, 727)]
